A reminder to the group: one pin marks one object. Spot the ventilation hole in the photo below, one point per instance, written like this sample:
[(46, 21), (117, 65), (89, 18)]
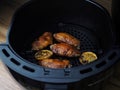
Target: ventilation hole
[(5, 53), (101, 64), (28, 69), (15, 61), (112, 56), (86, 70)]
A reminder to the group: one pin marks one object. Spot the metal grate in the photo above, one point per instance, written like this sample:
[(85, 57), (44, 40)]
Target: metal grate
[(87, 39)]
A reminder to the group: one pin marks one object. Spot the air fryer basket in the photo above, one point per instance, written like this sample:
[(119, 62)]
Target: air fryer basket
[(84, 19)]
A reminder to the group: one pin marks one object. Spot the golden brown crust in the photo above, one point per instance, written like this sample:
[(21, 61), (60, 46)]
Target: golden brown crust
[(67, 38), (54, 63), (64, 49), (43, 41)]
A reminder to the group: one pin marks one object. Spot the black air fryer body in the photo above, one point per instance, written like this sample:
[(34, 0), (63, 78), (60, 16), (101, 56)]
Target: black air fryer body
[(116, 18), (84, 19)]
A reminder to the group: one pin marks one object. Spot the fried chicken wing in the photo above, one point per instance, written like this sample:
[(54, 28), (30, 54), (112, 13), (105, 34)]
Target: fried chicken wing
[(54, 63), (67, 38), (64, 49), (43, 41)]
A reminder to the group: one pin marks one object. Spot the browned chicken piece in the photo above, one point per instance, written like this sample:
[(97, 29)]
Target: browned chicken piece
[(64, 49), (43, 41), (67, 38), (55, 63)]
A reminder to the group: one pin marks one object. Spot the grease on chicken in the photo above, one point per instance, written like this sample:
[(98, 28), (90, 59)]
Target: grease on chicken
[(67, 38), (64, 49), (54, 63), (43, 41)]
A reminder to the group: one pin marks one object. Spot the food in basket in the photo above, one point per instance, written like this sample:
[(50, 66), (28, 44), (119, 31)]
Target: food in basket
[(54, 63), (87, 57), (43, 54), (64, 49), (67, 38), (43, 41), (67, 46)]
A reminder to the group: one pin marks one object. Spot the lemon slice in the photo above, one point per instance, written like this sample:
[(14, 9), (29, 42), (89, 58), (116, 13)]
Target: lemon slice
[(87, 57), (43, 54)]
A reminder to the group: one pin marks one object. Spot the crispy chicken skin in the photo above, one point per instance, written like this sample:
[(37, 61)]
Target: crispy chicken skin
[(67, 38), (54, 63), (64, 49), (43, 41)]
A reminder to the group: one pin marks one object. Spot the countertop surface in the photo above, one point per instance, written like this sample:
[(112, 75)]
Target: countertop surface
[(7, 8)]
